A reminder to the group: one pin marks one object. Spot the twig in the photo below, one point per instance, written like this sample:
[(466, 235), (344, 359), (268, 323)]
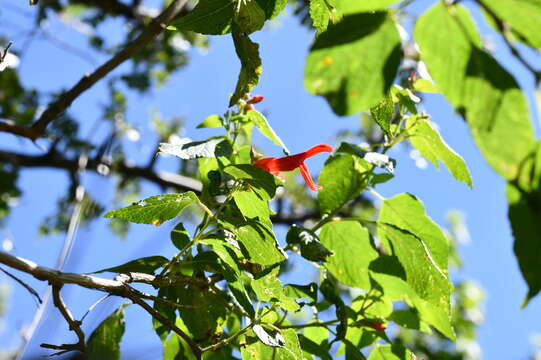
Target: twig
[(25, 285), (103, 298), (74, 325), (156, 27), (5, 53)]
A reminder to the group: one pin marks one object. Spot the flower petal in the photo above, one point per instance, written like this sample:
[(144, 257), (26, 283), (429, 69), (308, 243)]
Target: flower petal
[(308, 178)]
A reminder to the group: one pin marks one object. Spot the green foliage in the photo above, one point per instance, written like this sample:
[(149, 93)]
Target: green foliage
[(104, 342), (425, 138), (477, 86), (155, 209), (349, 82), (147, 265)]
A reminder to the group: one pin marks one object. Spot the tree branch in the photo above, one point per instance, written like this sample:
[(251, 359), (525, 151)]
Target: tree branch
[(58, 161), (118, 287), (74, 325), (55, 109)]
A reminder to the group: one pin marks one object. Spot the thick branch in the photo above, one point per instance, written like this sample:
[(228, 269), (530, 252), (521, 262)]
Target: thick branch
[(55, 109), (58, 161)]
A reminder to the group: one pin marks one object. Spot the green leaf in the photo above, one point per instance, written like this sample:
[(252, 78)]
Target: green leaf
[(428, 141), (269, 288), (155, 209), (395, 287), (104, 342), (315, 340), (180, 237), (424, 85), (227, 253), (211, 121), (351, 82), (251, 68), (382, 113), (272, 7), (250, 17), (254, 176), (210, 148), (522, 17), (406, 212), (211, 17), (258, 243), (253, 207), (353, 252), (354, 6), (409, 319), (485, 94), (524, 210), (390, 352), (422, 250), (264, 127), (320, 12), (203, 315), (310, 247), (302, 291), (147, 265), (343, 177)]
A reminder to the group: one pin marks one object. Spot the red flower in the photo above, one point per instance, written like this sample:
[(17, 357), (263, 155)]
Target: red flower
[(256, 99), (287, 163), (376, 325)]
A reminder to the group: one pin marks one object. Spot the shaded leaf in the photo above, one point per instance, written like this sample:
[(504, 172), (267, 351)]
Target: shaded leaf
[(485, 94), (524, 210), (428, 141), (354, 62), (310, 246), (211, 17), (180, 237), (272, 7), (104, 342), (250, 17), (302, 291), (156, 209), (147, 265)]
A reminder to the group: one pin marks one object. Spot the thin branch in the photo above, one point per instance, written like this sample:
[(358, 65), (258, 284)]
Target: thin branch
[(74, 325), (55, 109), (5, 53), (25, 285), (59, 161)]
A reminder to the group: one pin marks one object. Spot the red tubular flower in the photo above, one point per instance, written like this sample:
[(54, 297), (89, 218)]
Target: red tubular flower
[(256, 99), (287, 163), (376, 325)]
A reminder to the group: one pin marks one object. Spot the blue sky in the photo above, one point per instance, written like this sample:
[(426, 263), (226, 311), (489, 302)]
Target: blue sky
[(301, 120)]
